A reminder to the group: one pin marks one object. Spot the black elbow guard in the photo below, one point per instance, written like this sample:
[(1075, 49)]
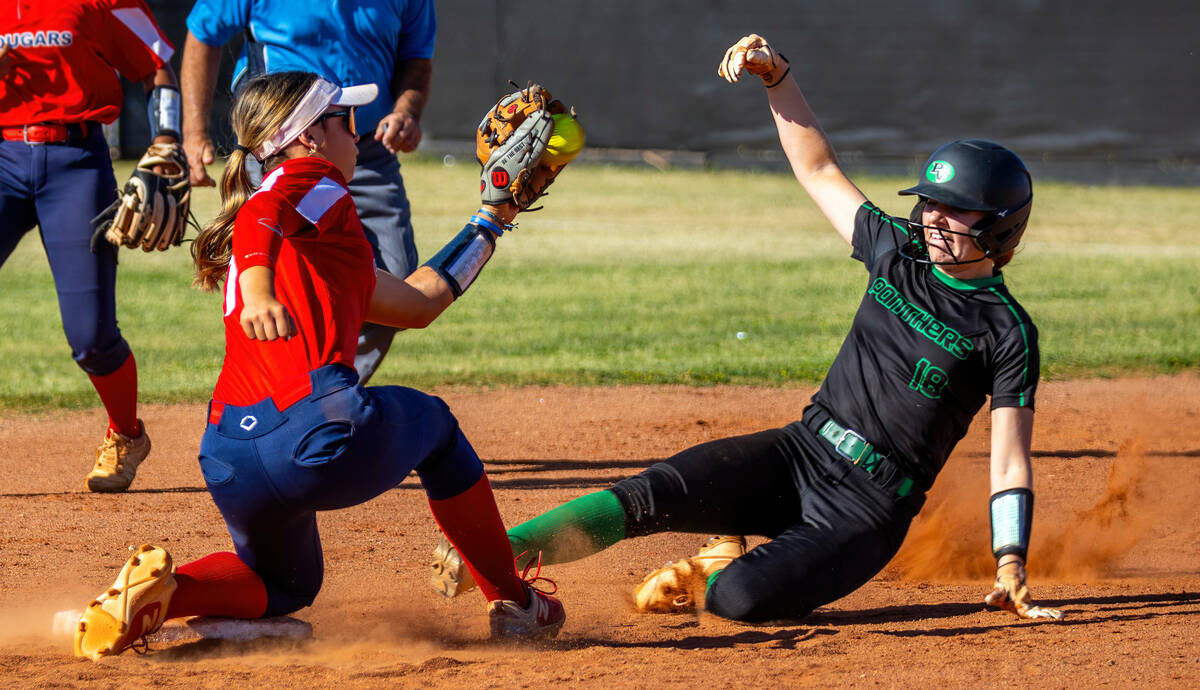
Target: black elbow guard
[(461, 260), (1012, 518)]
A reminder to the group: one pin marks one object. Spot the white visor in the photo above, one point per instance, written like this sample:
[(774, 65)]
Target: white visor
[(319, 96)]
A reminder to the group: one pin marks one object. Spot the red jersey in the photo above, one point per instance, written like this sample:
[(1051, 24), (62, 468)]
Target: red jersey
[(65, 56), (303, 224)]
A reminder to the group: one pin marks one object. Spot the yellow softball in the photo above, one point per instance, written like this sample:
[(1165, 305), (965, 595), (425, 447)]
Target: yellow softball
[(566, 141)]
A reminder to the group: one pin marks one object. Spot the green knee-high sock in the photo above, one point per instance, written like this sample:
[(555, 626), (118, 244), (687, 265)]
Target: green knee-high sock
[(578, 528)]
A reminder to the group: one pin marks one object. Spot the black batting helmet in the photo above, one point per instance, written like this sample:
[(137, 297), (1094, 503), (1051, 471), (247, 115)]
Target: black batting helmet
[(977, 175)]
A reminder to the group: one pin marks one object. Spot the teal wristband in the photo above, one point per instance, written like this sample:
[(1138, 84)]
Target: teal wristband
[(1012, 516)]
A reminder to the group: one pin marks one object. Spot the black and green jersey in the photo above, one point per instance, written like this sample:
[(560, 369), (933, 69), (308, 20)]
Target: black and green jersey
[(924, 352)]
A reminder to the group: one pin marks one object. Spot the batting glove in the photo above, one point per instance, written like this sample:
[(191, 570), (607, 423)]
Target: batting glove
[(754, 55), (1011, 594)]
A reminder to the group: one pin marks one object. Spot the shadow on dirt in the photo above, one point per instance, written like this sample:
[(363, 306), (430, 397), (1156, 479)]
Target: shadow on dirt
[(163, 490), (1098, 453), (1078, 610), (1122, 602), (496, 470), (527, 474), (211, 649), (893, 614), (531, 469), (780, 639)]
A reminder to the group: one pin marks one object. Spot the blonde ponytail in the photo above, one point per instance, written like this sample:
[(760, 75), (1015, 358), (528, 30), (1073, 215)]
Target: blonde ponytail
[(260, 110)]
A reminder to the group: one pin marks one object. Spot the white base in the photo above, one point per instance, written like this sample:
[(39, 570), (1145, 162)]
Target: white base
[(279, 628), (66, 623), (208, 628)]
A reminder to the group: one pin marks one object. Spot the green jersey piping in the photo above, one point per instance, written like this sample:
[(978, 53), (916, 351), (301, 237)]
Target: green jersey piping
[(875, 209), (1024, 337)]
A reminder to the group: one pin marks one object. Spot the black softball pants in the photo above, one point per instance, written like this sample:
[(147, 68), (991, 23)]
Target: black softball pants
[(832, 528)]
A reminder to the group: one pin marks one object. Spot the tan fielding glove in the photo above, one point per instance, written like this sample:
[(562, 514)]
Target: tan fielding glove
[(152, 210), (510, 144), (1011, 594)]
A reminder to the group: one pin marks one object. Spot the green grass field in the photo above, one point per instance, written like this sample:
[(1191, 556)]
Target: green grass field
[(635, 275)]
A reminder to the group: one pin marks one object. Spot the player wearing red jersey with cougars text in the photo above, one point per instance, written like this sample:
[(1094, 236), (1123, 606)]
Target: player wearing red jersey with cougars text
[(60, 68), (291, 431)]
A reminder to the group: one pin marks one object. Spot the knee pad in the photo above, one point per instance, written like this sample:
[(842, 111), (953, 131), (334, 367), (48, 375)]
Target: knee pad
[(644, 495), (101, 361), (290, 592), (281, 602), (740, 594)]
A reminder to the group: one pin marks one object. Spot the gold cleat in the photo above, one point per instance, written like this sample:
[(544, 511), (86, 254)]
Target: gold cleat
[(677, 586), (135, 605)]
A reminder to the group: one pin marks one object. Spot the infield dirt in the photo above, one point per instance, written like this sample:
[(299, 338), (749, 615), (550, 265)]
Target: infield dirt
[(1116, 545)]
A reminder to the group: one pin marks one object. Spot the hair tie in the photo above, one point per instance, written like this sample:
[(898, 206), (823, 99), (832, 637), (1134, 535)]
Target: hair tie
[(246, 151)]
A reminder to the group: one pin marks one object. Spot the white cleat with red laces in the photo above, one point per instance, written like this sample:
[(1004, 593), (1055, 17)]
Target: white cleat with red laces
[(541, 618)]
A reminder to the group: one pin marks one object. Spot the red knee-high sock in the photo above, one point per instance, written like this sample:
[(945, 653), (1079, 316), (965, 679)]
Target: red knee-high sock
[(219, 584), (118, 392), (472, 523)]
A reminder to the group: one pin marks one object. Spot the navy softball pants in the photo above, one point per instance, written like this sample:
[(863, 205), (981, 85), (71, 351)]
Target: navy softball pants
[(832, 526), (60, 188), (270, 471)]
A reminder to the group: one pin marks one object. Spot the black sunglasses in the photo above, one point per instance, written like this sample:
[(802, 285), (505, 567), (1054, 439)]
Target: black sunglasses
[(347, 113)]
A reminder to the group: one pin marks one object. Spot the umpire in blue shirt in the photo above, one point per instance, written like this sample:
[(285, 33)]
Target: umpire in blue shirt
[(388, 43)]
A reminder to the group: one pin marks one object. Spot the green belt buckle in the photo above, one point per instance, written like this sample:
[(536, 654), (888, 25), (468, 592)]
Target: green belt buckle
[(852, 446)]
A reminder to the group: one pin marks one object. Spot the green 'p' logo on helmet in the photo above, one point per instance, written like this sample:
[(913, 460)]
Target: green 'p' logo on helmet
[(939, 172)]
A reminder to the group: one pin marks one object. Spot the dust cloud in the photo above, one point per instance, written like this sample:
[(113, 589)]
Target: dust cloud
[(950, 540)]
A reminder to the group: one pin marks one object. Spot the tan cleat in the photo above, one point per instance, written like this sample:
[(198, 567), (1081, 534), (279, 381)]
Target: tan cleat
[(677, 586), (135, 605), (451, 577), (117, 461)]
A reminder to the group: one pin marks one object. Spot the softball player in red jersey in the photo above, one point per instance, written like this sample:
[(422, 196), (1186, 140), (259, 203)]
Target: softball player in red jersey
[(59, 67), (290, 430)]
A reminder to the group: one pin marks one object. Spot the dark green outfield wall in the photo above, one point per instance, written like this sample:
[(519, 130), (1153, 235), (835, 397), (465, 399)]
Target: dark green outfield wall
[(1107, 86)]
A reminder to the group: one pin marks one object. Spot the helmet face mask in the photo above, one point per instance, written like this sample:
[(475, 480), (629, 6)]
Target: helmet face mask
[(973, 175), (915, 247)]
